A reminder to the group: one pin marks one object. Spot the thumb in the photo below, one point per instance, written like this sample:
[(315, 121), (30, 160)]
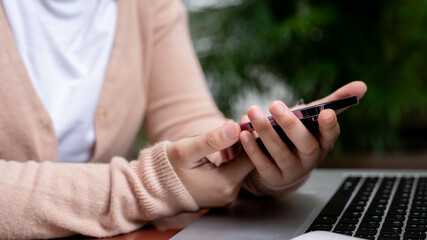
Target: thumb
[(215, 140)]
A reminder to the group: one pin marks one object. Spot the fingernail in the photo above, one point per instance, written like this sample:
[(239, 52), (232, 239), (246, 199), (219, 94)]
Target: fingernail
[(329, 118), (244, 137), (277, 109), (288, 112), (255, 113), (230, 130)]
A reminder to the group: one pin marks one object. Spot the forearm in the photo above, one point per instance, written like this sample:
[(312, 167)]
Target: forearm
[(45, 200), (179, 102)]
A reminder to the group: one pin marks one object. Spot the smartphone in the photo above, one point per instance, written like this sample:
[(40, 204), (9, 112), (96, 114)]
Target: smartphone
[(308, 117)]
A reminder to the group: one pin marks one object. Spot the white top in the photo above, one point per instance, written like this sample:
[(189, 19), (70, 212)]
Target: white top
[(65, 46)]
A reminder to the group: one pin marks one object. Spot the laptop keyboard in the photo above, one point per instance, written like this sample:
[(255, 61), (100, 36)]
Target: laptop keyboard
[(385, 207)]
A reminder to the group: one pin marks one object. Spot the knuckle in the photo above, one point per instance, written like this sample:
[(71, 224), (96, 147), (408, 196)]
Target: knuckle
[(330, 147), (228, 192), (262, 126), (212, 141), (282, 154), (310, 149), (177, 152), (289, 123), (290, 171), (327, 147), (263, 169), (332, 137), (250, 149)]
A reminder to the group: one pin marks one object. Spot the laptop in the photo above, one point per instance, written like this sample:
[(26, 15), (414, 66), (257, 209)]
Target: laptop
[(369, 204)]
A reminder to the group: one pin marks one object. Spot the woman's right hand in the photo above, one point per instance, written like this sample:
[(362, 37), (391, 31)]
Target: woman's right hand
[(210, 185)]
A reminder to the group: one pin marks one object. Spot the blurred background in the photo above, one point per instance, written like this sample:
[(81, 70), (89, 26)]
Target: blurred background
[(256, 51)]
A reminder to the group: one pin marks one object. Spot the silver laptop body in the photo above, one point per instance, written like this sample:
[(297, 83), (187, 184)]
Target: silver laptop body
[(278, 217)]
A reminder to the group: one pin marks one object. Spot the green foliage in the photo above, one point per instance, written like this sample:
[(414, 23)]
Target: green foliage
[(318, 46)]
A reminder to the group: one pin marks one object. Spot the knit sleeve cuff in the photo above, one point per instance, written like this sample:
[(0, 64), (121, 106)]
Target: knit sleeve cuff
[(257, 186), (162, 193)]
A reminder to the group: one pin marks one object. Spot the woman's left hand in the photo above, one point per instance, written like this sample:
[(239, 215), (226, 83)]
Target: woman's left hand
[(286, 165)]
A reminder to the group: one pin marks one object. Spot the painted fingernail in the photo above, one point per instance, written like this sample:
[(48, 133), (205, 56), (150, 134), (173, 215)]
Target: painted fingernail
[(230, 130), (277, 109)]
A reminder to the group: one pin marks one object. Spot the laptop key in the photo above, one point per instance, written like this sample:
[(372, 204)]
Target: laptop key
[(367, 230), (357, 208), (323, 227), (418, 215), (338, 201), (416, 228), (395, 217), (393, 223), (347, 227), (422, 209), (350, 214), (373, 218), (411, 234), (375, 212), (345, 232), (365, 236), (397, 211), (388, 236), (417, 221), (397, 230), (349, 220), (325, 219), (370, 224), (399, 205)]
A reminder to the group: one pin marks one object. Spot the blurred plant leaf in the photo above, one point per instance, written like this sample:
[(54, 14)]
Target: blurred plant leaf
[(318, 46)]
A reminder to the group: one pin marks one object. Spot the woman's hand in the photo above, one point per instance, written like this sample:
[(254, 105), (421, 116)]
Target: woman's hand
[(285, 165), (210, 185)]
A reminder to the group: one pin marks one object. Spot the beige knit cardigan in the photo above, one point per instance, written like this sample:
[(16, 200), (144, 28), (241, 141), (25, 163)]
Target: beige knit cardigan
[(153, 80)]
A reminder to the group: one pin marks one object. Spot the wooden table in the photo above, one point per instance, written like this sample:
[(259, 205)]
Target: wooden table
[(150, 233), (145, 233)]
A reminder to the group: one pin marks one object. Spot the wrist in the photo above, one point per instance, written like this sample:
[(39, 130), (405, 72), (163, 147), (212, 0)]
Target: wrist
[(161, 184)]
